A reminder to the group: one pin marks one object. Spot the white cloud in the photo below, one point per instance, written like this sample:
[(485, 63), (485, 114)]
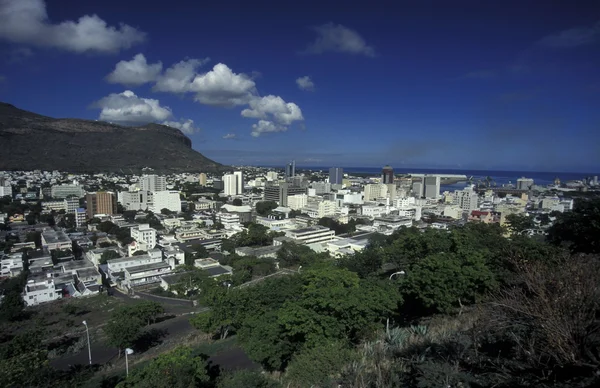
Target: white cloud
[(337, 38), (574, 37), (264, 126), (274, 107), (223, 87), (26, 22), (185, 126), (230, 136), (127, 108), (305, 83), (178, 78), (135, 72)]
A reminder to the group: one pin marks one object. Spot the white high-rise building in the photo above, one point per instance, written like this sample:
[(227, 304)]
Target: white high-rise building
[(134, 200), (297, 202), (153, 183), (375, 191), (466, 199), (159, 200), (144, 234), (432, 187), (230, 184), (239, 179), (272, 176), (524, 183)]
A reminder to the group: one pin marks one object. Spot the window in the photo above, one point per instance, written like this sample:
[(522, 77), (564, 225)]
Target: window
[(30, 297)]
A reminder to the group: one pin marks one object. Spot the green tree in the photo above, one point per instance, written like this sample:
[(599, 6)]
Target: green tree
[(517, 223), (123, 330), (145, 311), (12, 305), (166, 211), (179, 368), (108, 255), (443, 281), (294, 255), (578, 229), (246, 379), (139, 253), (265, 207), (237, 202), (319, 366)]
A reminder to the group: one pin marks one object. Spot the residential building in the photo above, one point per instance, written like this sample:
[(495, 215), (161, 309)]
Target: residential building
[(312, 234), (321, 187), (212, 267), (297, 202), (11, 265), (169, 200), (275, 223), (55, 239), (322, 209), (392, 222), (453, 211), (41, 291), (64, 191), (432, 187), (54, 205), (548, 203), (145, 273), (118, 265), (80, 217), (202, 179), (229, 220), (144, 233), (524, 183), (71, 205), (134, 200), (153, 183), (405, 202), (272, 176), (373, 192), (230, 184), (466, 199), (336, 175), (373, 211), (239, 182), (102, 202), (479, 216), (387, 175)]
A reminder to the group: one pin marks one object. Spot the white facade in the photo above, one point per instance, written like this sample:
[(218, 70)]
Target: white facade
[(272, 176), (275, 224), (229, 220), (153, 183), (354, 199), (453, 211), (239, 182), (118, 265), (41, 291), (524, 183), (80, 217), (373, 211), (432, 187), (144, 233), (11, 265), (230, 184), (134, 200), (313, 234), (405, 203), (375, 191), (297, 202), (466, 199), (165, 200), (64, 191)]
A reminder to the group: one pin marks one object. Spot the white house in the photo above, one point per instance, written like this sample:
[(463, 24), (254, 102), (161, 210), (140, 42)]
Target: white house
[(41, 291)]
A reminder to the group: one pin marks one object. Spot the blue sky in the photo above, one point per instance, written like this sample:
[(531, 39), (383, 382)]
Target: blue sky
[(486, 85)]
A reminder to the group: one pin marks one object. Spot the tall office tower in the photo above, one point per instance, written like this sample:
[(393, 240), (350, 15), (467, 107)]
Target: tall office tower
[(202, 179), (153, 183), (417, 188), (290, 169), (230, 184), (239, 179), (432, 187), (280, 193), (102, 202), (524, 183), (387, 175), (336, 175)]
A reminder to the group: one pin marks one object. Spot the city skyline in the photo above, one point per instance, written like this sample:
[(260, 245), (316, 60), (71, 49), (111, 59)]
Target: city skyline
[(488, 86)]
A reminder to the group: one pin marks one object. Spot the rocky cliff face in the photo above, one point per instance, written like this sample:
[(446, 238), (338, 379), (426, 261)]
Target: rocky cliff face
[(29, 141)]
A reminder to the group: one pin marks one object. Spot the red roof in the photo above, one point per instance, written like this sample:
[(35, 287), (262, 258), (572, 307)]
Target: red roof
[(478, 213)]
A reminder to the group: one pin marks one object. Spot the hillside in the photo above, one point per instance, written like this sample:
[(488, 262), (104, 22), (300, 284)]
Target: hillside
[(29, 141)]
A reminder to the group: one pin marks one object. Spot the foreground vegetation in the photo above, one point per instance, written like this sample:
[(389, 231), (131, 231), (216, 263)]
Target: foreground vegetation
[(468, 307)]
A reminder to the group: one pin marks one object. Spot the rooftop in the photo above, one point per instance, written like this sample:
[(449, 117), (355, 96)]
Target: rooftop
[(55, 236), (147, 267)]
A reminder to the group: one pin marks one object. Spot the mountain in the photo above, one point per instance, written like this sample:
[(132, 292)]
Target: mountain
[(29, 141)]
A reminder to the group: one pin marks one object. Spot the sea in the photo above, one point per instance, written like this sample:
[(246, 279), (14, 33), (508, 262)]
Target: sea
[(500, 178)]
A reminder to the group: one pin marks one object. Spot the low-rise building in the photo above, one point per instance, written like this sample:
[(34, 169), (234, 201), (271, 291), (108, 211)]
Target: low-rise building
[(145, 273), (312, 234), (55, 239), (212, 267), (41, 291), (144, 234), (11, 265)]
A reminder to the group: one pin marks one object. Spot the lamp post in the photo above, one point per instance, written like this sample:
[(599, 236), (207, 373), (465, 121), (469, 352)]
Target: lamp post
[(397, 273), (299, 268), (128, 351), (87, 330)]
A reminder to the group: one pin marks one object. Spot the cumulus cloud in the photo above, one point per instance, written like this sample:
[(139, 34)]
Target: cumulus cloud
[(135, 72), (222, 87), (274, 107), (337, 38), (265, 126), (573, 37), (305, 83), (184, 125), (178, 78), (127, 108), (26, 22), (230, 136)]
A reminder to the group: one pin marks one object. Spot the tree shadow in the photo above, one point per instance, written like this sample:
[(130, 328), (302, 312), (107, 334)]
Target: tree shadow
[(164, 318), (149, 339)]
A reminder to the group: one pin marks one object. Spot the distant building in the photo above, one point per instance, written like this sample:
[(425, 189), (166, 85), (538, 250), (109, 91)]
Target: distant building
[(321, 187), (55, 239), (153, 183), (432, 187), (280, 193), (102, 202), (80, 217), (164, 200), (271, 176), (312, 234), (297, 202), (375, 191), (143, 233), (134, 200), (202, 179), (336, 175), (466, 199), (387, 175), (239, 182), (524, 183), (64, 191), (230, 184), (417, 188), (290, 169)]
